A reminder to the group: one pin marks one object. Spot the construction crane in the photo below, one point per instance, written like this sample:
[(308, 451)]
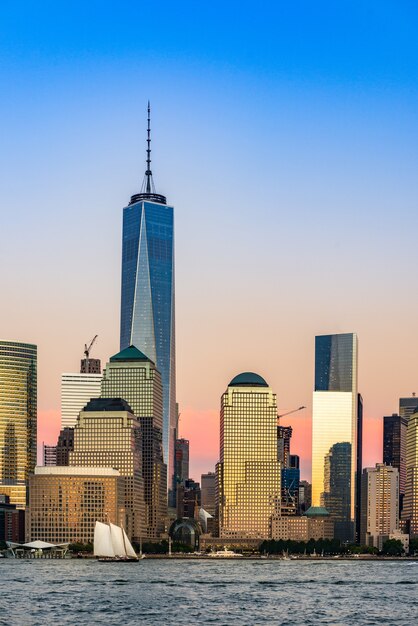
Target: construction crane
[(290, 412), (87, 351)]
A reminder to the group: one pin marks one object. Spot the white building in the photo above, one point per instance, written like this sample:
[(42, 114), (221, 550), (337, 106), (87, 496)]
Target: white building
[(76, 391), (380, 504)]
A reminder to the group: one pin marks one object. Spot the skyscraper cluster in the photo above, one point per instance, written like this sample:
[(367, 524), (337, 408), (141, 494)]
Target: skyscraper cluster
[(119, 456)]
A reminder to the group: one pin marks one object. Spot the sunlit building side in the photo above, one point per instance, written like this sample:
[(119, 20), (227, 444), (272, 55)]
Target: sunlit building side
[(18, 418), (410, 509), (248, 472), (335, 429), (380, 504)]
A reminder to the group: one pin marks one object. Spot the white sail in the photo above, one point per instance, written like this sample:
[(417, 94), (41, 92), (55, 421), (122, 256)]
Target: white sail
[(117, 540), (129, 549), (103, 541)]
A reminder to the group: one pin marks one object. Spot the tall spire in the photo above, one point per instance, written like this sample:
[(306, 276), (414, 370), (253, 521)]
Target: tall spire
[(148, 174), (148, 188)]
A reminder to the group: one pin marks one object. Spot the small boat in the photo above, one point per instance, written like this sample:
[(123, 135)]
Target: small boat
[(111, 544), (225, 553)]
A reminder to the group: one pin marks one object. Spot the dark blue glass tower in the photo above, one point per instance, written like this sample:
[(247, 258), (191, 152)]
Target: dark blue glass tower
[(147, 302)]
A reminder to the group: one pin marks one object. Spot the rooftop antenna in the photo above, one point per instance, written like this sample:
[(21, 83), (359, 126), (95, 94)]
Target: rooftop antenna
[(148, 184), (148, 188)]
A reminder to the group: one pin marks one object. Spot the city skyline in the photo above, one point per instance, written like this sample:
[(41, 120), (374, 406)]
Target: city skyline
[(332, 161)]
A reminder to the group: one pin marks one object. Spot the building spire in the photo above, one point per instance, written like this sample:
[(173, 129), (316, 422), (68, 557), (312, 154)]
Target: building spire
[(148, 183), (148, 173), (148, 188)]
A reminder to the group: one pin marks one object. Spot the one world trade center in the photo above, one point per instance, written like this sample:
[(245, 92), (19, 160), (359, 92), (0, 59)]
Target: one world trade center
[(147, 302)]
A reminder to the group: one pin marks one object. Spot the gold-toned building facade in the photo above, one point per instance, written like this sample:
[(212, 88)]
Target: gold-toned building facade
[(65, 502), (336, 455), (107, 434), (248, 471), (18, 418), (380, 503), (133, 376), (302, 528), (410, 508)]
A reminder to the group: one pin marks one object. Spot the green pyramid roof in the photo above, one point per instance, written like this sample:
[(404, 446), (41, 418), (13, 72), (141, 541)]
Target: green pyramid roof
[(317, 511), (130, 354)]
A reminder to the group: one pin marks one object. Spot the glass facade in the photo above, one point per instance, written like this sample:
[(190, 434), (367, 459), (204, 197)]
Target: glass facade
[(249, 480), (147, 301), (18, 418), (335, 431), (334, 362), (410, 509), (394, 447)]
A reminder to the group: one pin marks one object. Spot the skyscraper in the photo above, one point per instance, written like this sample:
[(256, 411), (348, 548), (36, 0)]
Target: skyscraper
[(284, 435), (248, 471), (410, 508), (108, 434), (18, 418), (380, 504), (147, 298), (133, 376), (181, 464), (407, 406), (76, 390), (394, 448), (335, 431), (208, 488)]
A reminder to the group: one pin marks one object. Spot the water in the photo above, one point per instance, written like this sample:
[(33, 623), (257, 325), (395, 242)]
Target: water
[(84, 592)]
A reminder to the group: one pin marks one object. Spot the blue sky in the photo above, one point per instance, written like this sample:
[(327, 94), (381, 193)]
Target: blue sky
[(285, 134)]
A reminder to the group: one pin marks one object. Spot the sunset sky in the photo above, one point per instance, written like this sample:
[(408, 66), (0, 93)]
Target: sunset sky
[(286, 137)]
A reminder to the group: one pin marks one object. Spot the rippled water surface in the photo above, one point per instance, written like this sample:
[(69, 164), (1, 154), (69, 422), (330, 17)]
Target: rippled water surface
[(216, 592)]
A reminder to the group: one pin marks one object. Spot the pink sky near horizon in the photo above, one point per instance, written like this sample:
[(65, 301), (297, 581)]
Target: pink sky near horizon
[(202, 430)]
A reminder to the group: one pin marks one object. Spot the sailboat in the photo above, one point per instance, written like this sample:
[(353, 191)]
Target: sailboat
[(111, 543)]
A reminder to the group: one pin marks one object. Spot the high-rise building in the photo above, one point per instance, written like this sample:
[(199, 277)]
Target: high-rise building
[(380, 504), (181, 463), (147, 299), (284, 435), (188, 499), (12, 521), (248, 471), (18, 418), (305, 496), (394, 448), (407, 406), (90, 366), (76, 391), (49, 455), (108, 434), (410, 508), (336, 457), (208, 490), (66, 502), (133, 376), (64, 446)]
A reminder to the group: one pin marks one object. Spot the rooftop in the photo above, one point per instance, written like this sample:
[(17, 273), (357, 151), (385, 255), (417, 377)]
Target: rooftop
[(248, 379), (129, 354), (68, 470), (317, 511), (107, 404)]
